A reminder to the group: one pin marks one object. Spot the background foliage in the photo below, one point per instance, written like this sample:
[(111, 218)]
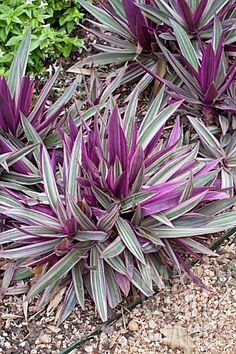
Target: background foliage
[(52, 22)]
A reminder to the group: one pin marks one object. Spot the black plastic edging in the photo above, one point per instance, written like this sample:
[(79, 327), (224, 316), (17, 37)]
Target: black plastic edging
[(215, 246)]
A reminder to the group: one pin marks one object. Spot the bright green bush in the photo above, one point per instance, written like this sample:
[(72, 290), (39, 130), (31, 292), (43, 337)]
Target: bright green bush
[(52, 22)]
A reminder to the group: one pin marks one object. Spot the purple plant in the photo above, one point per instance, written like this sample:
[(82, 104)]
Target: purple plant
[(122, 208), (129, 28), (206, 76), (196, 17), (218, 146), (18, 102)]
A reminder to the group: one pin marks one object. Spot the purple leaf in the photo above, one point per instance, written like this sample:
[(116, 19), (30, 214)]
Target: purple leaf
[(199, 11), (136, 164), (186, 14), (117, 145), (208, 68), (211, 94), (175, 134)]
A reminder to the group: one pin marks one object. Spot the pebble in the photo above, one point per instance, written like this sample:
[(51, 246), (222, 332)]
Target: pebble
[(133, 326), (44, 339), (152, 324), (88, 349)]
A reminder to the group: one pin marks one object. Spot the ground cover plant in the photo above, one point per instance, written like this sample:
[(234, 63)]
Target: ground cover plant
[(172, 40), (96, 204), (52, 22)]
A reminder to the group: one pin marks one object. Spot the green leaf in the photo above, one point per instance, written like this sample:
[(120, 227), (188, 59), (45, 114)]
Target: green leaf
[(78, 282), (18, 66), (115, 248), (217, 32), (156, 122), (29, 216), (28, 251), (129, 238), (73, 172), (98, 283), (105, 19), (90, 236), (139, 282), (102, 59), (135, 199), (184, 207), (50, 185), (185, 45), (59, 270), (206, 136), (80, 216), (113, 290)]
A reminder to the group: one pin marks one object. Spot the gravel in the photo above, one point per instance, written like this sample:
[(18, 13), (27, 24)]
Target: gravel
[(207, 317)]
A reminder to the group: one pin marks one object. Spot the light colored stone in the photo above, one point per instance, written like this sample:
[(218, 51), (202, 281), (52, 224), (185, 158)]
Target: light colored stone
[(133, 326), (152, 324), (45, 339)]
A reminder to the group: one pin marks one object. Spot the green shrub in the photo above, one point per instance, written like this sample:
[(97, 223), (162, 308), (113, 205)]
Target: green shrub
[(51, 20)]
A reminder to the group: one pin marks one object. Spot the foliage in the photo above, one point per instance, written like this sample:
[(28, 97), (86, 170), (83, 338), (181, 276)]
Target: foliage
[(95, 203), (218, 146), (52, 22), (169, 39), (207, 83)]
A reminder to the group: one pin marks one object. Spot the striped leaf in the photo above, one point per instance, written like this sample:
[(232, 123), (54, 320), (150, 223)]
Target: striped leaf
[(18, 66), (98, 283), (113, 292), (77, 279), (155, 124), (129, 238), (80, 216), (90, 236), (59, 270), (50, 185), (33, 217), (185, 45), (28, 251), (115, 248)]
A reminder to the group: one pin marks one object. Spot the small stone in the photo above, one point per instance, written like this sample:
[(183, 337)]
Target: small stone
[(122, 340), (33, 351), (133, 326), (152, 324), (45, 339), (88, 349), (54, 329)]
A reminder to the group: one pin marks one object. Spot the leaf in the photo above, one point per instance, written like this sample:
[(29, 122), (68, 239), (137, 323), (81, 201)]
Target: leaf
[(98, 285), (28, 251), (73, 171), (18, 66), (178, 338), (80, 216), (155, 123), (185, 45), (114, 249), (129, 238), (103, 59), (105, 19), (77, 279), (90, 236), (59, 269), (50, 185), (205, 135)]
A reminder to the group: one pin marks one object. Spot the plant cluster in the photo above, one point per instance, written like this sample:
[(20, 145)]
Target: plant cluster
[(52, 22), (98, 202), (189, 46)]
